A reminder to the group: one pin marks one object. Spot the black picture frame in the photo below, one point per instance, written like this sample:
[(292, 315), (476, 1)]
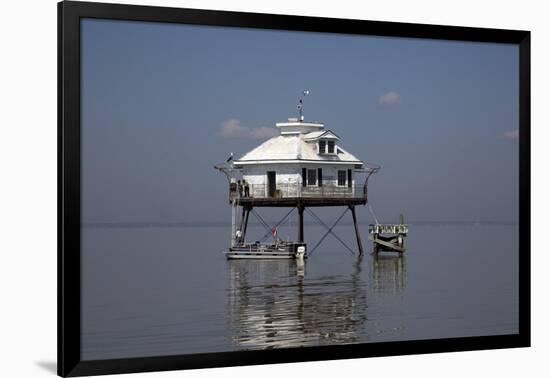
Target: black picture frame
[(69, 15)]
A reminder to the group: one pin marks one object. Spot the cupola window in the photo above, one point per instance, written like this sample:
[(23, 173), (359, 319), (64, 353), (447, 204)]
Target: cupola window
[(330, 146), (322, 146)]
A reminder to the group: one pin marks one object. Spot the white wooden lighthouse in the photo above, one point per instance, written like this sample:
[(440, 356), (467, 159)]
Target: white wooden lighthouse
[(304, 166)]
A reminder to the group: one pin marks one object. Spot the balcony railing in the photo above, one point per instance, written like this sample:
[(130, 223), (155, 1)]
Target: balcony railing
[(296, 190)]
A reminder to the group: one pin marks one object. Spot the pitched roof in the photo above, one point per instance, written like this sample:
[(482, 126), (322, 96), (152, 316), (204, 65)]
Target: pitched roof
[(293, 148)]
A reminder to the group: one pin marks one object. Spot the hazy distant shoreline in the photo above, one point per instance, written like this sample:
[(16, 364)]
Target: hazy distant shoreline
[(226, 224)]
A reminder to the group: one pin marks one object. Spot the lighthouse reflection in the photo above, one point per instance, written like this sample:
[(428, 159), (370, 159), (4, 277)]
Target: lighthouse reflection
[(274, 304), (278, 304)]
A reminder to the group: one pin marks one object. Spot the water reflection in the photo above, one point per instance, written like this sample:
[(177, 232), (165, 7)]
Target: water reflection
[(274, 304), (387, 274)]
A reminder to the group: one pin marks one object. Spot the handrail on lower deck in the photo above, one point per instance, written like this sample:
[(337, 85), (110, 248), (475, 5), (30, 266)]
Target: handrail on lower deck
[(296, 190)]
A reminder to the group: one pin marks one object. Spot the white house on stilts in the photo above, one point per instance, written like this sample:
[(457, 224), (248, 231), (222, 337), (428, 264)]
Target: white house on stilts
[(304, 166)]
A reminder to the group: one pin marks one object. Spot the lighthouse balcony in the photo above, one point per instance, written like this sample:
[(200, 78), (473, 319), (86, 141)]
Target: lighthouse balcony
[(283, 194)]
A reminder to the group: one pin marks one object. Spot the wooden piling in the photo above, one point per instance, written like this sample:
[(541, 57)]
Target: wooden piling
[(357, 234)]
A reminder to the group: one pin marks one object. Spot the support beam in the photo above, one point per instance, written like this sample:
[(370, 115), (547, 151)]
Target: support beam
[(300, 223), (246, 222), (270, 229), (357, 234), (329, 231), (242, 219)]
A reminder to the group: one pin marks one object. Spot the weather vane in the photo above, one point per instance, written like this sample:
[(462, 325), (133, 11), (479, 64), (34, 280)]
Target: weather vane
[(301, 104)]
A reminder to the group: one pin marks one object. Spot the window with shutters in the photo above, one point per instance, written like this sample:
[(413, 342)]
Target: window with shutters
[(311, 177)]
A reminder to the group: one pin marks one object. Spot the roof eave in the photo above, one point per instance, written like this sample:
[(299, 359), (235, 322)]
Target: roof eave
[(297, 161)]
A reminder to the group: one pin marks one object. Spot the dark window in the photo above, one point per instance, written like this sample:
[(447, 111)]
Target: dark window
[(330, 146), (349, 178), (320, 176), (312, 177), (322, 146), (341, 178)]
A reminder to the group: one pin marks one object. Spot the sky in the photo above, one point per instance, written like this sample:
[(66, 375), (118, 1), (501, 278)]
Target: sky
[(162, 103)]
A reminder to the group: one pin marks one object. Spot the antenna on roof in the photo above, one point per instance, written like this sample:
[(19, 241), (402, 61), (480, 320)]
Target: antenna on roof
[(301, 105)]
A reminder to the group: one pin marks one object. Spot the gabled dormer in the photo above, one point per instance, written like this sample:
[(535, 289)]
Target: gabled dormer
[(326, 141)]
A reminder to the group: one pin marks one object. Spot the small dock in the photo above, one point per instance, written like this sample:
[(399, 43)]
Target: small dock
[(388, 237)]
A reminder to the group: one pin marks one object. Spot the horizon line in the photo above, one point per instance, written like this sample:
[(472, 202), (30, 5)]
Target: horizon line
[(184, 224)]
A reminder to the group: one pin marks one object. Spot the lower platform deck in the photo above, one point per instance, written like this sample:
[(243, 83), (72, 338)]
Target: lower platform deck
[(283, 250)]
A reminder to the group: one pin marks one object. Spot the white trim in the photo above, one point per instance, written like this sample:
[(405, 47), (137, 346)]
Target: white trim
[(308, 124)]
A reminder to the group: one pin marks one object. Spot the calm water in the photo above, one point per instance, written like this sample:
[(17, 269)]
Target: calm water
[(169, 290)]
